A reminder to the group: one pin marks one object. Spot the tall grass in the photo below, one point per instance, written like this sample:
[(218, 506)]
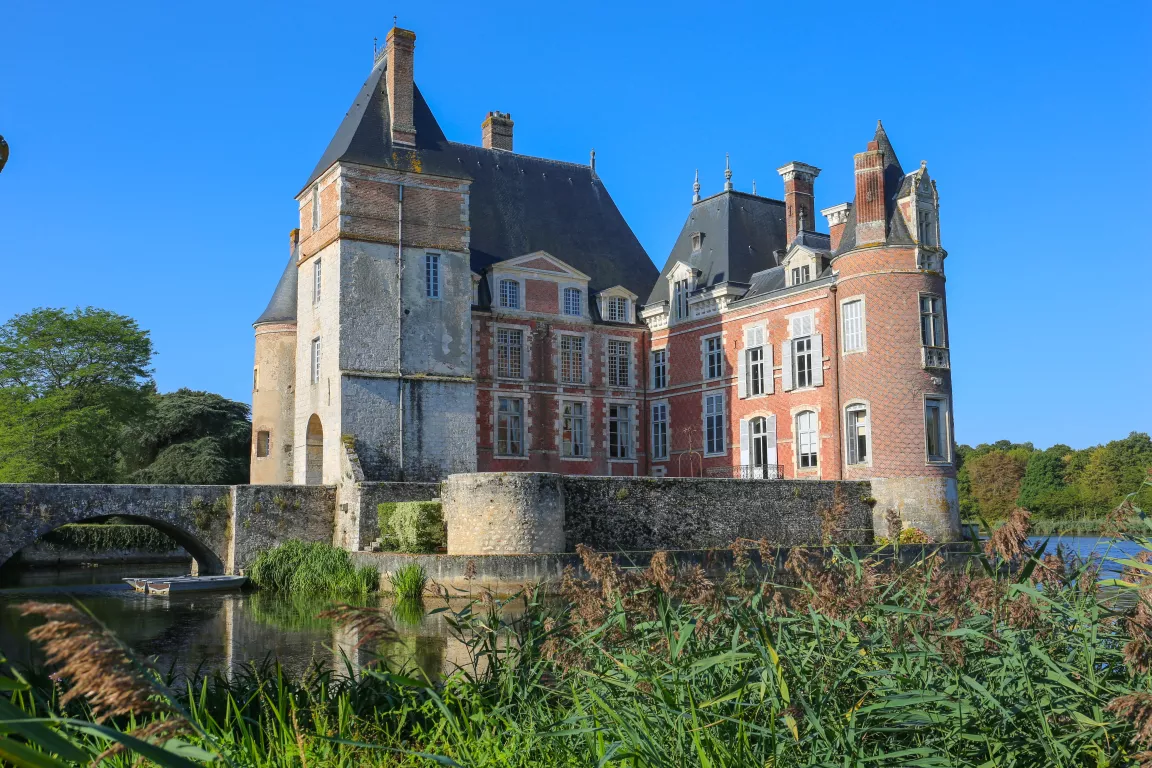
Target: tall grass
[(1020, 658), (303, 568), (408, 582)]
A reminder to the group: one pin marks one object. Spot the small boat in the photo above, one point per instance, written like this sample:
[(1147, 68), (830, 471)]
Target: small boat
[(138, 584), (194, 584)]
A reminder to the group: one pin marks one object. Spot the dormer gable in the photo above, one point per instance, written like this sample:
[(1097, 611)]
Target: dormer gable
[(617, 304), (538, 283), (805, 260)]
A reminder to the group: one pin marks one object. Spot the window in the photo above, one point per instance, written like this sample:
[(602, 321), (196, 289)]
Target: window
[(316, 282), (432, 275), (801, 274), (680, 299), (574, 434), (759, 452), (936, 429), (619, 354), (660, 431), (573, 302), (263, 441), (807, 440), (510, 294), (510, 427), (509, 351), (315, 207), (853, 325), (931, 322), (802, 362), (857, 434), (619, 431), (754, 363), (714, 424), (713, 358), (315, 360), (924, 224), (255, 379), (571, 359), (617, 309), (659, 369)]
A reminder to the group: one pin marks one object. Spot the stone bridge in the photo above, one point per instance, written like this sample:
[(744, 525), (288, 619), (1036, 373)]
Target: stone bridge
[(221, 526)]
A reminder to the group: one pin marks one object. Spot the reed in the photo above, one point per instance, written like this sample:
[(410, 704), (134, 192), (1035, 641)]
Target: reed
[(303, 568), (408, 582)]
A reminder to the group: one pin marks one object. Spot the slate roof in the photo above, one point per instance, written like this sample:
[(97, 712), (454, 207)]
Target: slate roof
[(897, 231), (518, 203), (742, 233), (282, 307)]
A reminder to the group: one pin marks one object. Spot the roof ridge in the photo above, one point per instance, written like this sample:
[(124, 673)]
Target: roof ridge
[(585, 166)]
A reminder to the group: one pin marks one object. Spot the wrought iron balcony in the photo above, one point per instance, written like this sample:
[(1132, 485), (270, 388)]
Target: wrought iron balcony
[(935, 357), (748, 472)]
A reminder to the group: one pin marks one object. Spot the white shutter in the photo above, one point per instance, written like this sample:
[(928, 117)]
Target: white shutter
[(786, 365), (745, 443), (818, 360), (742, 373), (769, 376), (771, 427)]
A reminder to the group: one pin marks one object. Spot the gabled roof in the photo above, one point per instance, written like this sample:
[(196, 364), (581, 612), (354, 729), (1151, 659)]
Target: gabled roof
[(741, 234), (518, 204), (897, 231), (282, 307)]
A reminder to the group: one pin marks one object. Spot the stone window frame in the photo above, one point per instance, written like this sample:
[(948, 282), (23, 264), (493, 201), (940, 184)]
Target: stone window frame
[(942, 324), (744, 362), (946, 413), (498, 294), (667, 405), (316, 212), (263, 439), (788, 367), (255, 378), (315, 357), (632, 346), (589, 443), (863, 348), (794, 414), (724, 413), (719, 337), (558, 358), (867, 406), (525, 358), (652, 367), (433, 280), (317, 280), (633, 424), (525, 424), (745, 430), (581, 304)]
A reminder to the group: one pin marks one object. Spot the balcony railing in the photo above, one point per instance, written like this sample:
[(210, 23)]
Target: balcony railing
[(935, 357), (748, 472)]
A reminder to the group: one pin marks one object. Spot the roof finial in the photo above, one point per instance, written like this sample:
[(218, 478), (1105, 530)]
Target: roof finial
[(393, 22), (727, 174), (923, 165), (753, 187), (592, 160), (696, 187), (801, 218), (375, 48)]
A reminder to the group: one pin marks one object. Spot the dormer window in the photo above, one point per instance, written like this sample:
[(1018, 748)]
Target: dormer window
[(509, 294), (925, 229), (617, 309), (801, 274), (697, 241), (680, 299)]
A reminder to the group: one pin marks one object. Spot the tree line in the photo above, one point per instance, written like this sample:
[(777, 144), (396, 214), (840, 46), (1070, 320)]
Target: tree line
[(78, 404)]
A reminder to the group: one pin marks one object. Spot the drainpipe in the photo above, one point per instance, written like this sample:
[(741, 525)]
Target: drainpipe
[(400, 319), (840, 436)]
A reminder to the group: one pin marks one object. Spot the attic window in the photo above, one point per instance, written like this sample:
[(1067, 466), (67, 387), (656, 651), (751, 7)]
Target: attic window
[(697, 241)]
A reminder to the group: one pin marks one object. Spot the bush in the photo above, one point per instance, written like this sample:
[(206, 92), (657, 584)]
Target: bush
[(111, 538), (413, 526), (311, 569), (384, 514)]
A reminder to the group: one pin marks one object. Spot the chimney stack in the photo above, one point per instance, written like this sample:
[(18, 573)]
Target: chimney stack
[(799, 197), (496, 132), (837, 220), (293, 240), (398, 49), (870, 213)]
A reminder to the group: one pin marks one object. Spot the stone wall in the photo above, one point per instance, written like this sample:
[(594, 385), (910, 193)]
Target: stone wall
[(504, 513), (267, 515), (357, 523)]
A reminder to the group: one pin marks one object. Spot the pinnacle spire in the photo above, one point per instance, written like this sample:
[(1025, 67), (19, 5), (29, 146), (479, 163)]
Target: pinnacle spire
[(696, 187), (727, 174)]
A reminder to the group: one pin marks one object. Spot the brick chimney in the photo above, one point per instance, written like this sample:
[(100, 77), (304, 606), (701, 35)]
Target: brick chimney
[(799, 198), (398, 48), (496, 131), (870, 194), (837, 219)]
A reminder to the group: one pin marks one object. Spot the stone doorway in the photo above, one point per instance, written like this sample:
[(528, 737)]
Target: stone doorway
[(314, 455)]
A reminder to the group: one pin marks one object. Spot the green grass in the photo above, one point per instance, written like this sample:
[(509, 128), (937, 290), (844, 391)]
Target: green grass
[(408, 582), (311, 569)]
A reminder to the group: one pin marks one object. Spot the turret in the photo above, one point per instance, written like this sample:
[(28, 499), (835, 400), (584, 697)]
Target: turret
[(274, 379)]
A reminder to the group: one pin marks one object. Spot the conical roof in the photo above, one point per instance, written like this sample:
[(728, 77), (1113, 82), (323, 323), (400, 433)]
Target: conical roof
[(282, 307)]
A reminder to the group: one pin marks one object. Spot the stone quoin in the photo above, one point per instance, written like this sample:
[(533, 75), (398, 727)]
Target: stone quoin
[(451, 308)]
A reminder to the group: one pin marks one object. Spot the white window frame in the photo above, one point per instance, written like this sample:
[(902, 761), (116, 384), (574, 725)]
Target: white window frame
[(799, 441), (520, 356), (660, 423), (659, 359), (580, 369), (851, 444), (315, 360), (568, 449), (717, 444), (617, 309), (937, 321), (802, 274), (797, 356), (756, 370), (945, 426), (503, 297), (317, 281), (680, 291), (862, 331), (708, 356), (522, 415), (613, 378), (568, 292), (628, 452), (432, 275)]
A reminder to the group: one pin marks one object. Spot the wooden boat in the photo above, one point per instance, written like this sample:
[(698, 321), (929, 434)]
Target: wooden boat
[(194, 584), (140, 585)]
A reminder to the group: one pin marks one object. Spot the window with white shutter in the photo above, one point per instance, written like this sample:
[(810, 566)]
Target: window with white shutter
[(807, 440), (853, 317)]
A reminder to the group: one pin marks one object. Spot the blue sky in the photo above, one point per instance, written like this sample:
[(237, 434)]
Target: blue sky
[(157, 148)]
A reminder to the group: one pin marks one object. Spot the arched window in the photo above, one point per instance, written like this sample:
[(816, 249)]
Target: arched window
[(807, 440), (856, 434)]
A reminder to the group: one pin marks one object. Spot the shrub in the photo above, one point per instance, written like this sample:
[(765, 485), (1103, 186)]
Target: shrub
[(384, 514), (105, 538), (408, 582), (311, 569), (418, 526)]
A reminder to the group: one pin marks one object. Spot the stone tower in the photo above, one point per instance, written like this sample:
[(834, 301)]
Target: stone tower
[(274, 379), (384, 329), (898, 387)]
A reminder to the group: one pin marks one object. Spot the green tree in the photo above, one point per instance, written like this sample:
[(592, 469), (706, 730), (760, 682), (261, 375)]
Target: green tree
[(190, 437), (1043, 490), (994, 479), (1115, 470), (69, 383)]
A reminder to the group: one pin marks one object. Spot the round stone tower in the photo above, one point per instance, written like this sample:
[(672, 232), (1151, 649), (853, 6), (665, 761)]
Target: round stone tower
[(274, 380), (895, 377)]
